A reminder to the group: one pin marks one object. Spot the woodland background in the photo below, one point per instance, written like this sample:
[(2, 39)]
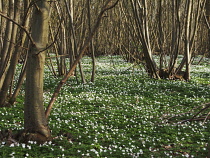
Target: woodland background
[(164, 37)]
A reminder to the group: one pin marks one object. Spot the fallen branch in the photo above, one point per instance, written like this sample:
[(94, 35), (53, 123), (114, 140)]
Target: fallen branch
[(184, 113), (207, 105)]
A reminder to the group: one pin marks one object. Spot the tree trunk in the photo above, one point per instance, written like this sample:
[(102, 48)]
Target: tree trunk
[(35, 121), (187, 40), (140, 15), (207, 7), (91, 47), (73, 50), (14, 59), (6, 43)]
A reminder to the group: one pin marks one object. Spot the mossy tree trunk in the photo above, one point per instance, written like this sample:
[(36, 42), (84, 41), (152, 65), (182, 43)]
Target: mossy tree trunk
[(35, 122)]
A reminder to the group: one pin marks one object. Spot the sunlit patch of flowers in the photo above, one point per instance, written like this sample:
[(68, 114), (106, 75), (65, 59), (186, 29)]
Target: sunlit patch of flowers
[(122, 114)]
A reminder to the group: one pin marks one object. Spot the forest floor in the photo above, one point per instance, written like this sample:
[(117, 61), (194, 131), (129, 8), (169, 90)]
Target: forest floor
[(122, 114)]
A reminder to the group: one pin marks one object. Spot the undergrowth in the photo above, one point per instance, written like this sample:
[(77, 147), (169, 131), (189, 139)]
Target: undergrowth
[(122, 114)]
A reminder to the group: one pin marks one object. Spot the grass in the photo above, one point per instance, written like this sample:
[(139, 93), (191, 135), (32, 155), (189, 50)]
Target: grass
[(122, 114)]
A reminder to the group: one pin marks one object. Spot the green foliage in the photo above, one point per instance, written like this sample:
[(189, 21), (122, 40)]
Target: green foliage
[(122, 114)]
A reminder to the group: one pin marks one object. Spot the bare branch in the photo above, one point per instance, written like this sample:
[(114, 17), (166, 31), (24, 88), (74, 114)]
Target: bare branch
[(82, 51), (20, 26)]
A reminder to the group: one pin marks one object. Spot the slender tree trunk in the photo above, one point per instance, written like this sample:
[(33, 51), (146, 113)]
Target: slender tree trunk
[(6, 44), (140, 15), (62, 52), (176, 36), (91, 47), (1, 24), (187, 40), (14, 59), (62, 47), (35, 121), (18, 87), (82, 51), (70, 10), (74, 44)]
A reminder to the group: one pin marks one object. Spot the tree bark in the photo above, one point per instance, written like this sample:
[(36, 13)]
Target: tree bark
[(207, 7), (187, 40), (6, 43), (35, 121), (140, 16), (91, 47), (14, 58)]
